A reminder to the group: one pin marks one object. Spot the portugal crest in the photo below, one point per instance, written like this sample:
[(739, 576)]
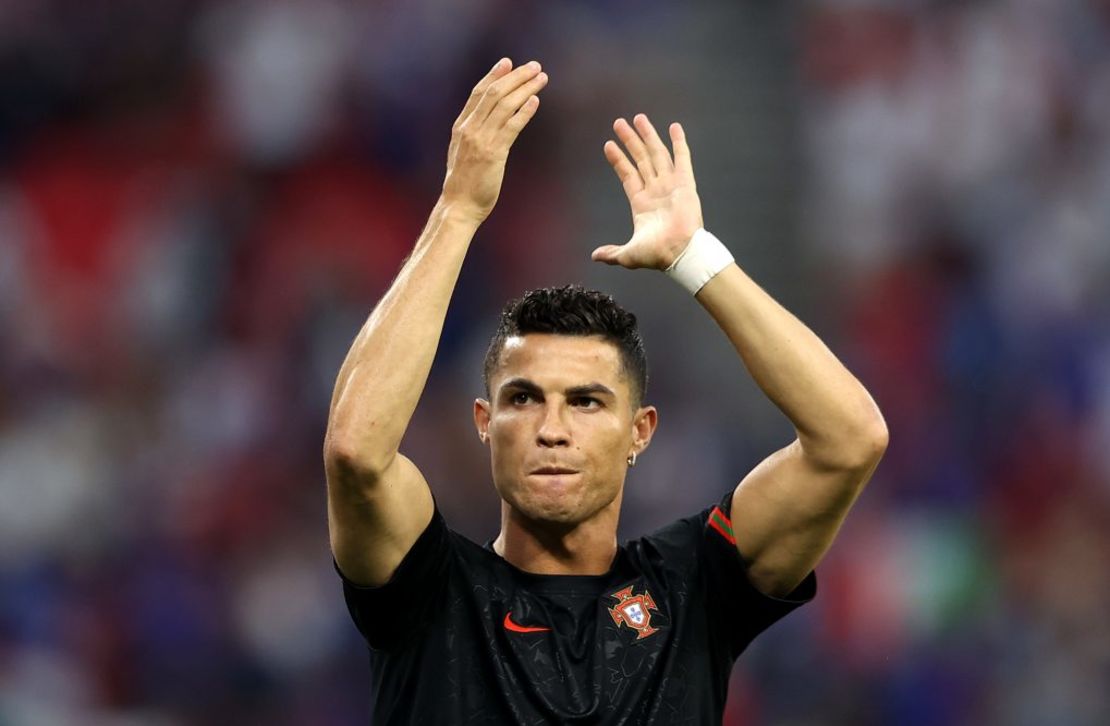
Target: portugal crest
[(634, 611)]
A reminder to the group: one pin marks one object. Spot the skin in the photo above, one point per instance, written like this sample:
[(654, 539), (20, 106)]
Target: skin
[(378, 500), (566, 402), (786, 511)]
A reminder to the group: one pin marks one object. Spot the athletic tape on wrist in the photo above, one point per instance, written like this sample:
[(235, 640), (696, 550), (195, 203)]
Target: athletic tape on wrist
[(704, 257)]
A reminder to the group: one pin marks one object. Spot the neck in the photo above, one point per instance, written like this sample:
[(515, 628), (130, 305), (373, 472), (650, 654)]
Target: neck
[(544, 548)]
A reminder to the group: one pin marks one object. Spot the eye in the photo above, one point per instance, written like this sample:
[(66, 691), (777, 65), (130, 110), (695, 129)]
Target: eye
[(587, 402), (520, 397)]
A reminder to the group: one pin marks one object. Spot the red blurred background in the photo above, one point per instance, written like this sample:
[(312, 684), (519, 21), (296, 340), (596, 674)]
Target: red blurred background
[(200, 202)]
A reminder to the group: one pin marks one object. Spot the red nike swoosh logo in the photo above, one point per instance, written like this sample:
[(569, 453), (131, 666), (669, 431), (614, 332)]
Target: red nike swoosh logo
[(510, 625)]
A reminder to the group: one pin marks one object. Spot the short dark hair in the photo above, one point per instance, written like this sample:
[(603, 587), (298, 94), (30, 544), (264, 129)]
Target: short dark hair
[(572, 310)]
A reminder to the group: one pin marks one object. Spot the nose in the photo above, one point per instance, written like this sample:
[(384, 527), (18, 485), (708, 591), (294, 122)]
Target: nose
[(553, 430)]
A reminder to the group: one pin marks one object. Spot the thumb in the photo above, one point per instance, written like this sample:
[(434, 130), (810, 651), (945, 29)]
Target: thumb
[(607, 254)]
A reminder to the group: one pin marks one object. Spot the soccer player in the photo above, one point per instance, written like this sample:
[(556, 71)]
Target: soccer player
[(553, 622)]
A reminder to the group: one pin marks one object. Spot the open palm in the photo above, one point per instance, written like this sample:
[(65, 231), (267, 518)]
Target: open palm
[(661, 192)]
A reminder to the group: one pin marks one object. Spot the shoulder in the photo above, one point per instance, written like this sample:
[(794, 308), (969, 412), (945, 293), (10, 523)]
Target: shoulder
[(676, 545), (439, 562)]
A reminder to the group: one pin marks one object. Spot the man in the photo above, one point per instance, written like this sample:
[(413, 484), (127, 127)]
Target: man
[(553, 622)]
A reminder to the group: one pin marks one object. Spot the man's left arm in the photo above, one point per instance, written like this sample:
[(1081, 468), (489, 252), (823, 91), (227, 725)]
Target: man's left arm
[(788, 509), (790, 506)]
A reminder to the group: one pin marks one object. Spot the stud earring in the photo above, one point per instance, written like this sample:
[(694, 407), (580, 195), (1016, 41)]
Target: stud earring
[(631, 459)]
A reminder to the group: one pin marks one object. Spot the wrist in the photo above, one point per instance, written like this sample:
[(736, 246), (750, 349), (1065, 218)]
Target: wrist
[(699, 261), (458, 212)]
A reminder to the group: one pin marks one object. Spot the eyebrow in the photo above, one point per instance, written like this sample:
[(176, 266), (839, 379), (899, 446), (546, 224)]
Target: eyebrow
[(523, 384)]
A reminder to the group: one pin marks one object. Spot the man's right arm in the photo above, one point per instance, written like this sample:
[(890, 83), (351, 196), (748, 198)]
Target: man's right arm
[(378, 501)]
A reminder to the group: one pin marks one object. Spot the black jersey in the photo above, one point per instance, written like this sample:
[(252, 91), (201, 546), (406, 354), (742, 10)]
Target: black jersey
[(460, 636)]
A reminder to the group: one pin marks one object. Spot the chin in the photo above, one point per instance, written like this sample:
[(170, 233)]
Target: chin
[(566, 510), (541, 506), (553, 511)]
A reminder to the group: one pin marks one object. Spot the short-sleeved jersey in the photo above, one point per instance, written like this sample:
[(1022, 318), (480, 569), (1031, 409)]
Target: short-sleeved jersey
[(460, 636)]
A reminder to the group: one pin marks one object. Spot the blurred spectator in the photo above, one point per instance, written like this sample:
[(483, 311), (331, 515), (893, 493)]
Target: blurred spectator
[(201, 202)]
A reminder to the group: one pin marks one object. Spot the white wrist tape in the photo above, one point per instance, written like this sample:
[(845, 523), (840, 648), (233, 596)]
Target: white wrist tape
[(703, 258)]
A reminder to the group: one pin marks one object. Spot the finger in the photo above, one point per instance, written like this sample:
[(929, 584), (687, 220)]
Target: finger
[(636, 148), (607, 254), (499, 69), (630, 178), (660, 156), (682, 161), (521, 118), (504, 86), (508, 106)]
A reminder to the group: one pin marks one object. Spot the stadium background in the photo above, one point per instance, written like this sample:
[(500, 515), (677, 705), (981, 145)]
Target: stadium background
[(201, 201)]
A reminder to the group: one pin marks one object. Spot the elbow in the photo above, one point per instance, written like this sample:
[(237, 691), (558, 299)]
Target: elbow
[(867, 446), (349, 465), (874, 443), (865, 439), (857, 449)]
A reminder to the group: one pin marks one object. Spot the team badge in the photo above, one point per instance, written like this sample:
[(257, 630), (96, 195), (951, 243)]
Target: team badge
[(634, 611)]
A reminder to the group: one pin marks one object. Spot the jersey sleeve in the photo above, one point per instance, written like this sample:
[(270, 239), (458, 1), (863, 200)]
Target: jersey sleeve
[(389, 615), (735, 607)]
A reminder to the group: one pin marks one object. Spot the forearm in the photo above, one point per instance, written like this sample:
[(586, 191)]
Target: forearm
[(384, 373), (837, 422)]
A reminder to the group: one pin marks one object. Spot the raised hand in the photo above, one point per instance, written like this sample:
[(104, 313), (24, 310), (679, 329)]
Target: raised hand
[(666, 210), (502, 104)]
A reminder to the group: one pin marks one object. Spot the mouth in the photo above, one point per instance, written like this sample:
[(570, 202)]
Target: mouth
[(553, 471)]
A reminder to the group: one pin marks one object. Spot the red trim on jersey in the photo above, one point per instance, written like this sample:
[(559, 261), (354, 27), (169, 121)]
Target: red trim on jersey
[(722, 524)]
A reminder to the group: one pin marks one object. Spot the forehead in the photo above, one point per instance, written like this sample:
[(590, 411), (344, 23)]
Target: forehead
[(558, 361)]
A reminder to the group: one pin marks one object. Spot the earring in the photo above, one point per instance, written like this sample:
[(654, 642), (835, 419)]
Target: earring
[(631, 459)]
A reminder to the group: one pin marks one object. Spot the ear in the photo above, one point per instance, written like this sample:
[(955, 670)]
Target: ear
[(481, 418), (644, 422)]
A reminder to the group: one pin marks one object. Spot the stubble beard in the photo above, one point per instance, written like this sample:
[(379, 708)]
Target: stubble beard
[(556, 513)]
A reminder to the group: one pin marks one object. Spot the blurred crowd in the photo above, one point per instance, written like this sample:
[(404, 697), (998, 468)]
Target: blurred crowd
[(960, 187), (200, 203)]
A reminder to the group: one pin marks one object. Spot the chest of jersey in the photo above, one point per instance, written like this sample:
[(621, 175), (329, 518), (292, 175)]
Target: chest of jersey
[(460, 636), (613, 651)]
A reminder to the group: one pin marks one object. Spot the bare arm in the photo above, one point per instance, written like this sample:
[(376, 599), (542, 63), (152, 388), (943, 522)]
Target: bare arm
[(378, 501), (789, 508), (791, 505)]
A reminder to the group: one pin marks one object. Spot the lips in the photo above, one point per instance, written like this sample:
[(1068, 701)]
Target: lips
[(553, 470)]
